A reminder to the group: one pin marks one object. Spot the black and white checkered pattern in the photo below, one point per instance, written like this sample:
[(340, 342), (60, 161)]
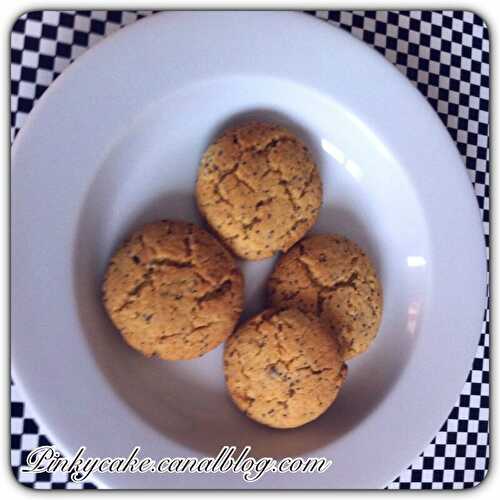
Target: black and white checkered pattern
[(444, 54)]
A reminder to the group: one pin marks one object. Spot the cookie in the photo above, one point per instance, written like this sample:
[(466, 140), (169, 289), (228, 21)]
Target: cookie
[(283, 368), (173, 291), (259, 189), (332, 277)]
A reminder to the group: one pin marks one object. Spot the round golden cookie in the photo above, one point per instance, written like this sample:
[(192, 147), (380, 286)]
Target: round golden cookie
[(173, 291), (283, 368), (259, 189), (332, 277)]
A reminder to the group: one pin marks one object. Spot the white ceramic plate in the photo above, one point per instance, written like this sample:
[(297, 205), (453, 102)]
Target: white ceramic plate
[(116, 141)]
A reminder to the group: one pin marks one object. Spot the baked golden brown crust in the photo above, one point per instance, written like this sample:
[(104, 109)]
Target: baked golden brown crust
[(259, 189), (283, 368), (173, 291), (332, 277)]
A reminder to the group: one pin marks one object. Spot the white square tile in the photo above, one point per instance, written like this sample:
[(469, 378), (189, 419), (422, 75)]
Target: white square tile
[(30, 59), (33, 28)]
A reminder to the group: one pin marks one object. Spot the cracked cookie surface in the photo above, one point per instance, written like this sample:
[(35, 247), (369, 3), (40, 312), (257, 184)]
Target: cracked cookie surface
[(283, 368), (173, 291), (259, 189), (332, 277)]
